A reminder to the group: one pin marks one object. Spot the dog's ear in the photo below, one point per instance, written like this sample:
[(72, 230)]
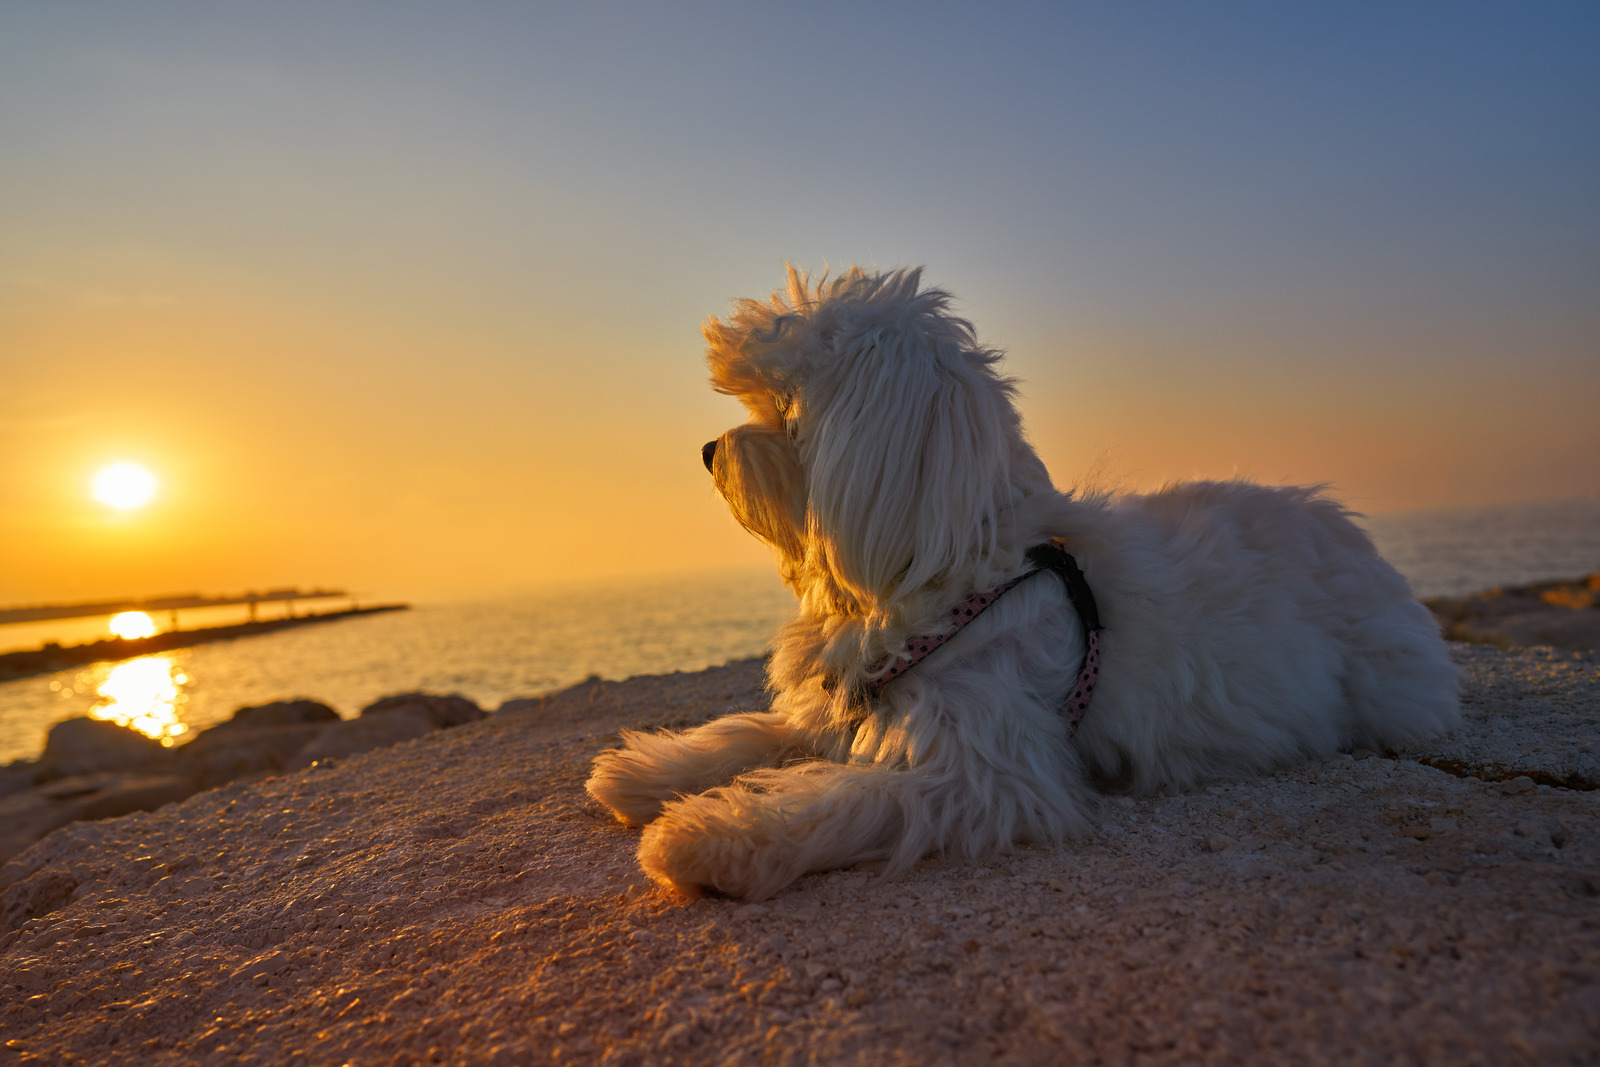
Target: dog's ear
[(761, 349), (908, 462)]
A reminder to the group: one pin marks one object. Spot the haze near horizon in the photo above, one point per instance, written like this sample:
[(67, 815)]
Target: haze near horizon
[(406, 299)]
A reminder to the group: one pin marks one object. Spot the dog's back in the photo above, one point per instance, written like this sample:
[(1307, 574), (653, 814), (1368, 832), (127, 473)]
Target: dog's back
[(1248, 626)]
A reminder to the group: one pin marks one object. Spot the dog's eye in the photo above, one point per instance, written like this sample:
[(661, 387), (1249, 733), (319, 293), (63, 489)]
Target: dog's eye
[(788, 408)]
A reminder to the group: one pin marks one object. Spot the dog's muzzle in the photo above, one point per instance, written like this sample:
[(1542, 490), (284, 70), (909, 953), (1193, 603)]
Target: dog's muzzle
[(708, 455)]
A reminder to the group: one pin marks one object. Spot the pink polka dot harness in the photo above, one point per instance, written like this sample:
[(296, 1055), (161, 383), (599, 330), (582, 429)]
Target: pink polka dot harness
[(1050, 556)]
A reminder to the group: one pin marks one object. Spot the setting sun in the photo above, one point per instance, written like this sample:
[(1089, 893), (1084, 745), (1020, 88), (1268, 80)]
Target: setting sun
[(124, 486)]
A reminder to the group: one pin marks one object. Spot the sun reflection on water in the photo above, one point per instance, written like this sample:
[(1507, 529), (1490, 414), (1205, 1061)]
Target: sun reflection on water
[(145, 694), (132, 624)]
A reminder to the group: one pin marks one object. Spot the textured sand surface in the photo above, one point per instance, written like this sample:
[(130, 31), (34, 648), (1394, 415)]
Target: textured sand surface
[(459, 899)]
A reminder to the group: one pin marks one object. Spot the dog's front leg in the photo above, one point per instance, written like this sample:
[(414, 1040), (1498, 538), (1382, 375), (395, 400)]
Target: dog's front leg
[(756, 835), (650, 769)]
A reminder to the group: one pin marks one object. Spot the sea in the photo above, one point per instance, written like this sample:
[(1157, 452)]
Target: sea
[(518, 646)]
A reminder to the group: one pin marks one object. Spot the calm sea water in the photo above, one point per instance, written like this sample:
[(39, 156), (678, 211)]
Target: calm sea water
[(497, 650), (490, 651), (1448, 553)]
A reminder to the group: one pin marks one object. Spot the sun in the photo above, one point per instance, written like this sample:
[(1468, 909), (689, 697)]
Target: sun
[(124, 486)]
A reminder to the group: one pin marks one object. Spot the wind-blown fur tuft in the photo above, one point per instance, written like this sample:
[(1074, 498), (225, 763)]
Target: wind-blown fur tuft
[(885, 464)]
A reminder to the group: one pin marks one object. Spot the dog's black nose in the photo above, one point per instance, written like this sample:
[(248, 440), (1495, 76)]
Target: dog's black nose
[(708, 454)]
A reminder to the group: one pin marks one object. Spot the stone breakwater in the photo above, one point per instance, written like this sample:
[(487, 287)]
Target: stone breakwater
[(54, 657), (458, 898)]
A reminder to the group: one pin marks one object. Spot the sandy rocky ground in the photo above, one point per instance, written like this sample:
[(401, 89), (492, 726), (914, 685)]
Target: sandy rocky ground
[(459, 899)]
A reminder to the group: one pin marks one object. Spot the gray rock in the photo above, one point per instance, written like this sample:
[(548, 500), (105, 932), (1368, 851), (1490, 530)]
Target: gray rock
[(1563, 614), (17, 777), (27, 817), (347, 738), (281, 713), (257, 741), (145, 793), (521, 706), (443, 711), (87, 746), (78, 785), (228, 751)]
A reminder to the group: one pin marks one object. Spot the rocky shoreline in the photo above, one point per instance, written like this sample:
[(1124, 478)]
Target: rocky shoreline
[(458, 898), (1561, 614), (91, 769)]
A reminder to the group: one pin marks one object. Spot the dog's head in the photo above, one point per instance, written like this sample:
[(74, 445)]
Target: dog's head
[(883, 454)]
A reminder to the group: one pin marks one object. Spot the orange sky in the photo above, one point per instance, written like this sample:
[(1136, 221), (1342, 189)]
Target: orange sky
[(359, 451), (418, 316)]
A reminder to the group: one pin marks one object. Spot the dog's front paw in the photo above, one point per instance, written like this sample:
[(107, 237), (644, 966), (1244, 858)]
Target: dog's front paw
[(689, 862), (621, 781), (701, 843)]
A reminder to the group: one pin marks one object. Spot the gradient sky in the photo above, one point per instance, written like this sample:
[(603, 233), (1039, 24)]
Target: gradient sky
[(406, 297)]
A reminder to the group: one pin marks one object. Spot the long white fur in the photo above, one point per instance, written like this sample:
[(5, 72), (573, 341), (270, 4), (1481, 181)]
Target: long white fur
[(1246, 627)]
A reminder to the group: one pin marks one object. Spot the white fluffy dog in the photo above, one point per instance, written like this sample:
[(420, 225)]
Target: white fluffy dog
[(1244, 627)]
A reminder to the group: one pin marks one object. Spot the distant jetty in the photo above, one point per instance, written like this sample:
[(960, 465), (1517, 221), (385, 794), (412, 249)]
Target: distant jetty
[(54, 657), (170, 603)]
